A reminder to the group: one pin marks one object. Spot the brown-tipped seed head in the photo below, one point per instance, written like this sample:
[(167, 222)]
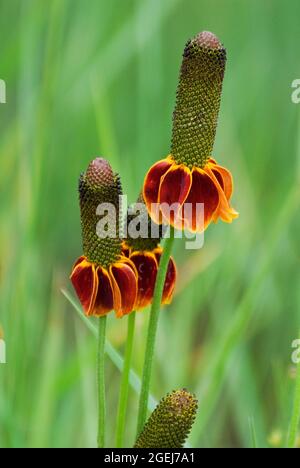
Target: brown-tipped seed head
[(198, 100), (170, 423), (207, 39), (99, 173)]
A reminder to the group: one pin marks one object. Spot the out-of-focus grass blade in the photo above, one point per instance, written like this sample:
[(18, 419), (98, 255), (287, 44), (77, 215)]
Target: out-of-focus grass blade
[(116, 48), (253, 433), (210, 388), (112, 353)]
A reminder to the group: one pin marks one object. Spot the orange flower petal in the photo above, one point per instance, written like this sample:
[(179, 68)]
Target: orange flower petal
[(124, 282), (146, 265), (152, 184), (224, 211), (79, 260), (104, 301), (170, 280), (225, 179), (203, 191), (212, 161), (85, 281), (174, 189)]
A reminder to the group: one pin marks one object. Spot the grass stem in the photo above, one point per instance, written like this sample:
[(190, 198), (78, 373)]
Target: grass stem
[(123, 399), (101, 382), (152, 329)]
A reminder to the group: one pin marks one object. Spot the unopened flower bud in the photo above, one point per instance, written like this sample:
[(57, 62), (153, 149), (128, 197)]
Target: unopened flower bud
[(170, 423)]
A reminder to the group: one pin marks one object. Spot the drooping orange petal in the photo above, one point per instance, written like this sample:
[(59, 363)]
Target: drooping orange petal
[(170, 280), (124, 282), (79, 260), (146, 265), (85, 281), (174, 189), (152, 184), (224, 211), (201, 203), (104, 301), (212, 161), (224, 178)]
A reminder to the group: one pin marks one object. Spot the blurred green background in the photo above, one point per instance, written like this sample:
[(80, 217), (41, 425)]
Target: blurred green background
[(99, 78)]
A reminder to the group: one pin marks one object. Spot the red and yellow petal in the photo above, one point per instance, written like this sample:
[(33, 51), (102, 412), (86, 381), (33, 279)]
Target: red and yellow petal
[(174, 189), (152, 185), (125, 250), (212, 161), (224, 211), (79, 260), (224, 178), (85, 281), (146, 266), (170, 280), (104, 301), (124, 283), (201, 203)]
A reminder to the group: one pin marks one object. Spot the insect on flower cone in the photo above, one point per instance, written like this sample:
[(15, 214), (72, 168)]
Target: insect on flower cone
[(104, 279), (188, 189), (170, 423)]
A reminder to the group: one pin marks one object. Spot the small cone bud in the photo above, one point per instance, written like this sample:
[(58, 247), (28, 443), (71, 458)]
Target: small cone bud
[(170, 423), (98, 186), (198, 100), (149, 233)]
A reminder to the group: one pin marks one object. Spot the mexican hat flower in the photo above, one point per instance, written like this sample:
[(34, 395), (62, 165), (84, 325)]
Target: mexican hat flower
[(145, 253), (103, 278), (189, 189), (170, 423)]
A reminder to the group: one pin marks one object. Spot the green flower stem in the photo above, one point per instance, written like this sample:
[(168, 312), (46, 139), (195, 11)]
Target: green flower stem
[(125, 382), (152, 329), (101, 382)]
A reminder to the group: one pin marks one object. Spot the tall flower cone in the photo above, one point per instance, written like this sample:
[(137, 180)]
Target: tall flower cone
[(170, 423), (189, 189), (104, 279), (145, 252)]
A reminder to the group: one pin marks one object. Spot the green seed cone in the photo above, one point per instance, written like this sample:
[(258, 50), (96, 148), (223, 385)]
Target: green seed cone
[(97, 186), (150, 232), (170, 423), (198, 100)]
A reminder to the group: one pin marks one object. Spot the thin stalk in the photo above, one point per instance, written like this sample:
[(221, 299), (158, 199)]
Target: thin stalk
[(123, 399), (152, 329), (101, 382)]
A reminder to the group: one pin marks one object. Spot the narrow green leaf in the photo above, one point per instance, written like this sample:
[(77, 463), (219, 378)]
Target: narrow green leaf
[(111, 352)]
